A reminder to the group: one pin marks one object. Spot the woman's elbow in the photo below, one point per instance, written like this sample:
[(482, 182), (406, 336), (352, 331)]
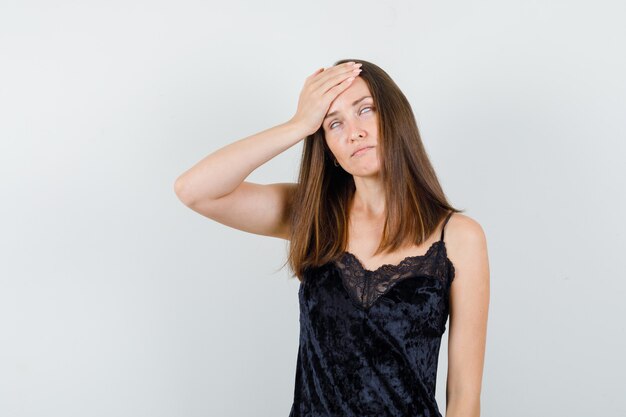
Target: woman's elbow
[(463, 406)]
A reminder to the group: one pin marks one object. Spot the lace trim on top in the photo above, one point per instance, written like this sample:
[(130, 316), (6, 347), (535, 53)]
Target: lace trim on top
[(366, 286)]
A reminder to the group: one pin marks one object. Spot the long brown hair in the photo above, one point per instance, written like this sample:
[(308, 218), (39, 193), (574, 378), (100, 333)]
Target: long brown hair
[(414, 200)]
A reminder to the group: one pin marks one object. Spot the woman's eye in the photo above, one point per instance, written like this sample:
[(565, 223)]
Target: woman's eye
[(333, 123)]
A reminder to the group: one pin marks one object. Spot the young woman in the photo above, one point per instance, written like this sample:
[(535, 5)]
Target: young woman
[(365, 224)]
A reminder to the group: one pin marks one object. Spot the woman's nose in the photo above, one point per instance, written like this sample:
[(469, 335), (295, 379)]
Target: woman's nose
[(355, 130)]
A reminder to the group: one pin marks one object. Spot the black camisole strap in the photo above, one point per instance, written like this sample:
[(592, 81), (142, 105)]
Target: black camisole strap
[(444, 224)]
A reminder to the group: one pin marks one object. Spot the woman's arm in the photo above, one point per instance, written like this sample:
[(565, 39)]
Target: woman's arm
[(215, 186), (469, 305), (219, 173)]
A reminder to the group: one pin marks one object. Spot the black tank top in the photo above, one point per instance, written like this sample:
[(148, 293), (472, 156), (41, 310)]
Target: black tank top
[(369, 340)]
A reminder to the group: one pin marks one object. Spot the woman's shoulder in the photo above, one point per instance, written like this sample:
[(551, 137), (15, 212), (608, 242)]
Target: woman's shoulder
[(463, 227), (465, 241)]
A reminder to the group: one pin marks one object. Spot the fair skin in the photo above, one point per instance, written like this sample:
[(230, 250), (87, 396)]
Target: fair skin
[(351, 124), (215, 188)]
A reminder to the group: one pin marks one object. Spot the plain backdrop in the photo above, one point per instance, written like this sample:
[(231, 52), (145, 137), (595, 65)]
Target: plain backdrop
[(117, 300)]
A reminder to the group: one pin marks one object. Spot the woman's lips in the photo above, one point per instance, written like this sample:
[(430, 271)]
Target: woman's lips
[(362, 151)]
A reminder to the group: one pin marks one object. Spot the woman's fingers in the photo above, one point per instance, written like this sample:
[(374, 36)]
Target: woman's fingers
[(336, 90), (320, 89), (333, 81), (338, 82), (332, 76)]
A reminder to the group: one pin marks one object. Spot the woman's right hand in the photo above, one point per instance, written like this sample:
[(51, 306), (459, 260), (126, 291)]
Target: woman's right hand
[(320, 89)]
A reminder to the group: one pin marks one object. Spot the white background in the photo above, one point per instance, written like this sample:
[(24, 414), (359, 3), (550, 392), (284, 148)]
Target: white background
[(117, 300)]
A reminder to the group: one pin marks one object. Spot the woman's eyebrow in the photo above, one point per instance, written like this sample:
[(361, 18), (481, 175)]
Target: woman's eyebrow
[(353, 104)]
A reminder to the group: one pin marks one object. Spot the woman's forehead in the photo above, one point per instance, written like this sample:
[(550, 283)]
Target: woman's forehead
[(356, 91)]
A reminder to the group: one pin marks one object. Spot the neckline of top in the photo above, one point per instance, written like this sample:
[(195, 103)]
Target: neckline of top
[(399, 264)]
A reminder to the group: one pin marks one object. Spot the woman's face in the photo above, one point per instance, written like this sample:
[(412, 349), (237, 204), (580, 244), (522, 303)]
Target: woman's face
[(350, 124)]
